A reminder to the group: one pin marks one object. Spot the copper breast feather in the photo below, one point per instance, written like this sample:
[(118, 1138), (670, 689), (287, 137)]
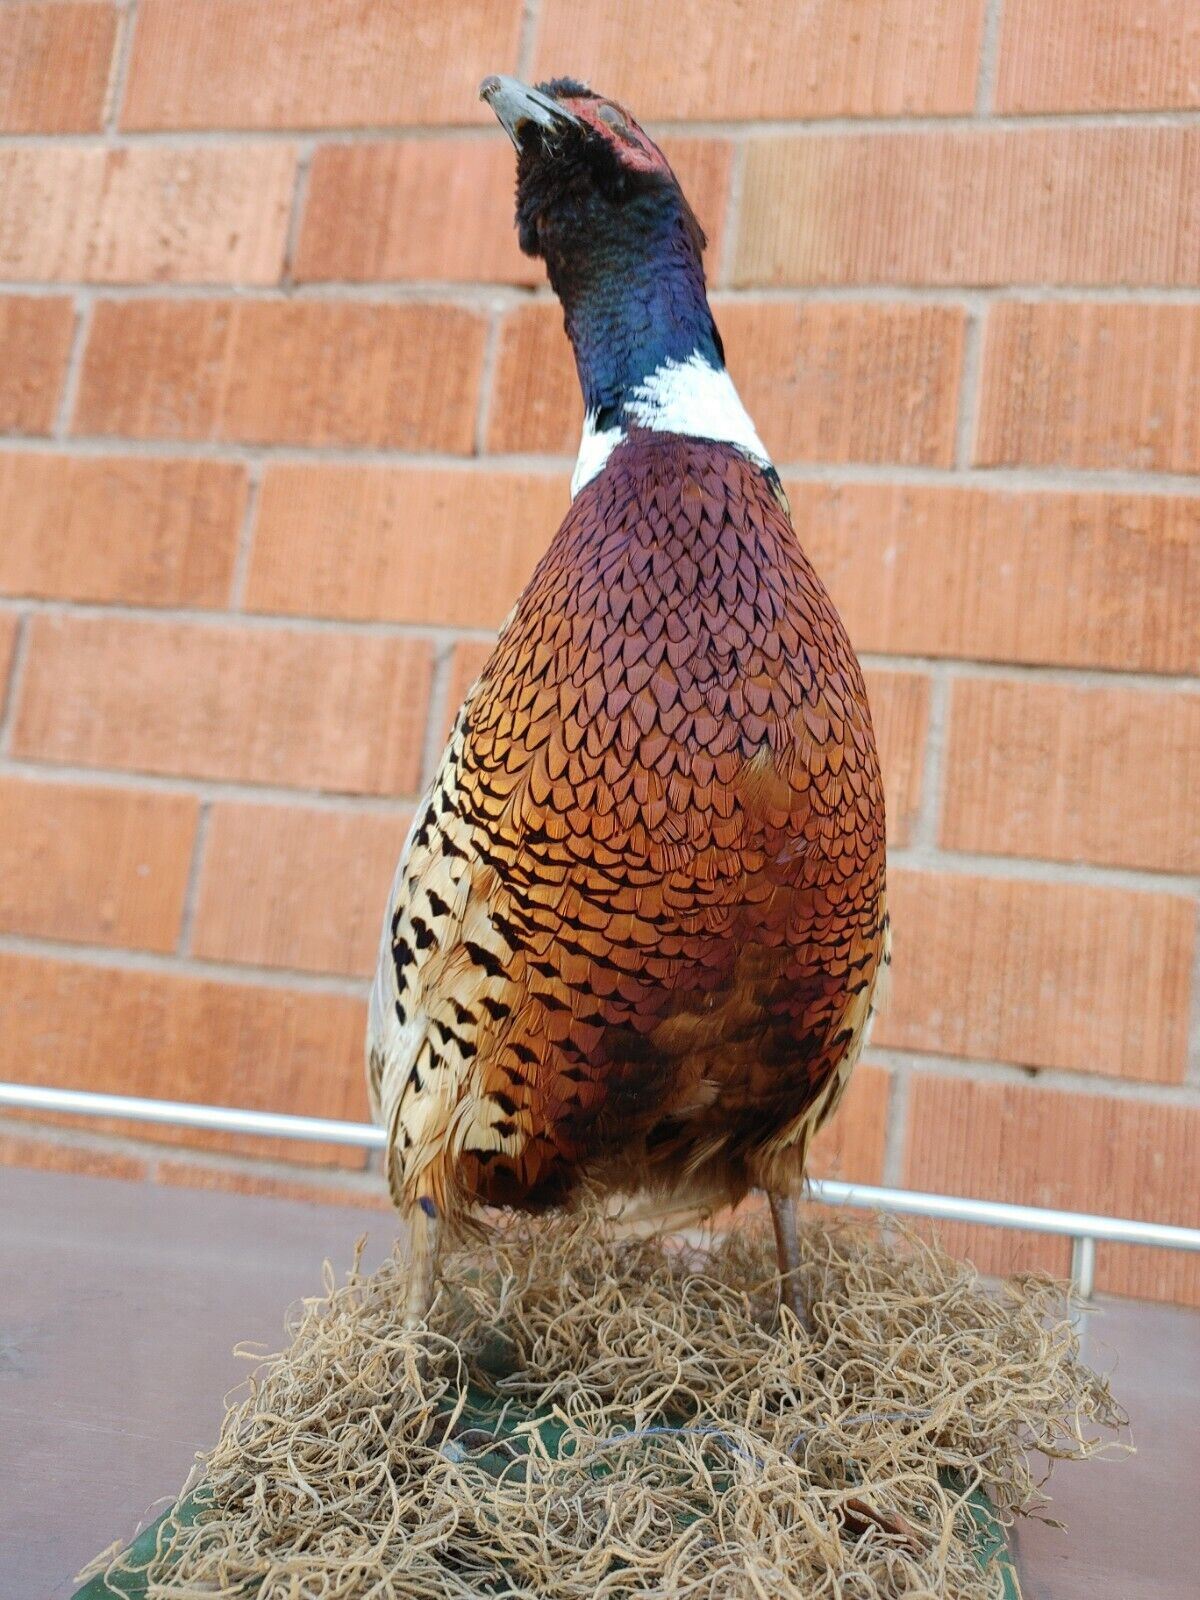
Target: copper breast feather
[(639, 924)]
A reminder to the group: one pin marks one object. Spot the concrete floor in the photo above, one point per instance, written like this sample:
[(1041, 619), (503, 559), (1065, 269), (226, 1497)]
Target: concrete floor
[(121, 1305)]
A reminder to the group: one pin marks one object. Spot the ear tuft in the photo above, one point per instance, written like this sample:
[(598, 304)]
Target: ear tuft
[(564, 88)]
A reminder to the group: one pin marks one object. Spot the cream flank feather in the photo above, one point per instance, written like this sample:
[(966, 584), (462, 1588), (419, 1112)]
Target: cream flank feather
[(428, 1013)]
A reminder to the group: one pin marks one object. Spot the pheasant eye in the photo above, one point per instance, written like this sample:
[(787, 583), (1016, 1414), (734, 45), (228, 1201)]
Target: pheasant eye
[(612, 116)]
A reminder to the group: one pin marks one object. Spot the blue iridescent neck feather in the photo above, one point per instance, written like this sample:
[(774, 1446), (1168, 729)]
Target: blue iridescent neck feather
[(598, 202), (634, 302)]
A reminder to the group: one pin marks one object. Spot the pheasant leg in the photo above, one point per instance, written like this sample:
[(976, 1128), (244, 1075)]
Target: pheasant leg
[(424, 1239), (787, 1249)]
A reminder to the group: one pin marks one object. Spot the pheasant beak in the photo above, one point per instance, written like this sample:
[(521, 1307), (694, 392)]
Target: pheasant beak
[(517, 106)]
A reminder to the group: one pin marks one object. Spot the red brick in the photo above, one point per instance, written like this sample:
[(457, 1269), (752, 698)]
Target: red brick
[(851, 1146), (443, 209), (289, 887), (1105, 775), (74, 1025), (35, 341), (1091, 385), (83, 1159), (1041, 974), (227, 1180), (1069, 579), (414, 544), (1079, 1152), (413, 208), (1098, 55), (535, 402), (54, 66), (315, 63), (146, 532), (289, 372), (101, 866), (1039, 205), (900, 711), (154, 214), (848, 382), (273, 705), (824, 382), (772, 59)]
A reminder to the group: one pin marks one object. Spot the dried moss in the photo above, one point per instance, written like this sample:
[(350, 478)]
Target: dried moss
[(668, 1429)]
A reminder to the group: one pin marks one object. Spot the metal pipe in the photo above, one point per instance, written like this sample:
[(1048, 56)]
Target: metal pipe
[(183, 1114), (1003, 1214), (1078, 1225), (1083, 1266)]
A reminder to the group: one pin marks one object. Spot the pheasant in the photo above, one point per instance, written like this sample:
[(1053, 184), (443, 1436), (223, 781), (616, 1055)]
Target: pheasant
[(638, 929)]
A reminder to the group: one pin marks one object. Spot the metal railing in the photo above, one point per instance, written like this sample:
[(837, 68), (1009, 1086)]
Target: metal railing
[(1083, 1229)]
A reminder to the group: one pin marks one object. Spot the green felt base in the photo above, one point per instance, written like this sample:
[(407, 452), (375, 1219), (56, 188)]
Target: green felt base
[(483, 1415)]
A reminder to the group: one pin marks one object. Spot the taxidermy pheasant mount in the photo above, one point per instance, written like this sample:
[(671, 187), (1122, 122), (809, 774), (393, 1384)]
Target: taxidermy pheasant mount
[(638, 929)]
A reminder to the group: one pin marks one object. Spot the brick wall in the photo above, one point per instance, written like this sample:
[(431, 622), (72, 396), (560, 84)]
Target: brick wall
[(286, 420)]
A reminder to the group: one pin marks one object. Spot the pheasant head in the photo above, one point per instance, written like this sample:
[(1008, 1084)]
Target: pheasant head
[(598, 202)]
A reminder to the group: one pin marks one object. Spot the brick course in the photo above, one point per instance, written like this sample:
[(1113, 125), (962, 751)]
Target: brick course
[(1098, 55), (900, 713), (442, 209), (1074, 580), (316, 63), (400, 543), (1076, 976), (121, 529), (1045, 770), (1049, 205), (54, 66), (272, 373), (881, 58), (210, 701), (35, 340), (92, 865), (8, 641), (157, 215), (182, 1038), (285, 886), (1091, 384), (84, 1159), (466, 663), (852, 1146)]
